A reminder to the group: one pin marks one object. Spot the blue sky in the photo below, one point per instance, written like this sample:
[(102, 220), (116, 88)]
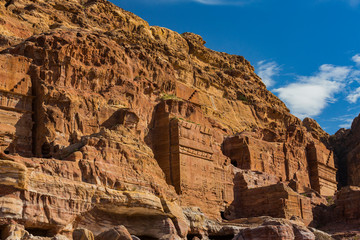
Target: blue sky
[(307, 52)]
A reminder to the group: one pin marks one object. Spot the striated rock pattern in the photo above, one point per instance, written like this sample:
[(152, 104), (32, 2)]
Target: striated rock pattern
[(306, 164), (82, 234), (116, 233), (346, 144), (276, 229), (341, 219), (322, 169), (275, 200), (190, 155), (114, 129), (272, 157)]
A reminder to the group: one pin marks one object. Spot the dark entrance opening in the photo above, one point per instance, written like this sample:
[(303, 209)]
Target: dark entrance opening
[(2, 227), (233, 162), (223, 237), (192, 236), (40, 232), (222, 213)]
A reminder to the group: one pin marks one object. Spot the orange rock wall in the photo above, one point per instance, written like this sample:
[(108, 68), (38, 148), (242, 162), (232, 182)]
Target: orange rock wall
[(129, 120), (186, 151), (274, 200), (322, 169), (257, 155), (287, 162), (15, 106)]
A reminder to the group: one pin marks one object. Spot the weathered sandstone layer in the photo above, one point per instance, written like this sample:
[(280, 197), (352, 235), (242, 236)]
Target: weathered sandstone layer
[(111, 128)]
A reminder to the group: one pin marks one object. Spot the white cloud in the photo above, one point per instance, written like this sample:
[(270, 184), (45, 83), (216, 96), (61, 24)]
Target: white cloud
[(354, 96), (354, 3), (267, 70), (311, 94), (355, 75), (356, 59), (345, 120), (347, 123)]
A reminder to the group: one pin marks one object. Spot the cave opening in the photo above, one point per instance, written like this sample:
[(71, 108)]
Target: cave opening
[(222, 237), (7, 151), (234, 163), (46, 150), (2, 227), (222, 214), (40, 232), (193, 236), (8, 3)]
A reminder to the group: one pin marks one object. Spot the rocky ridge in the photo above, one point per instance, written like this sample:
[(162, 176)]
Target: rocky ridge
[(114, 129)]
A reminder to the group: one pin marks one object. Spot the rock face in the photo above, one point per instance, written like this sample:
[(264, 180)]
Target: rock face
[(347, 205), (275, 200), (190, 155), (116, 233), (341, 219), (284, 160), (344, 212), (276, 229), (106, 121), (16, 106), (322, 169), (82, 234), (346, 145), (293, 160)]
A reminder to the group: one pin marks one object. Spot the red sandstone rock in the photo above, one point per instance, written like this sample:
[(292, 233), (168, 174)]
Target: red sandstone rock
[(347, 205), (275, 200), (116, 233), (190, 156), (322, 169), (82, 234), (14, 232), (302, 233), (286, 160), (346, 145), (279, 232), (109, 120), (316, 131), (276, 229)]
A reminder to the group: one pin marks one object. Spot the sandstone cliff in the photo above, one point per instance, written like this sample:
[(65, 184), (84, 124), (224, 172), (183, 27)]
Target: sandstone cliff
[(107, 121), (346, 143)]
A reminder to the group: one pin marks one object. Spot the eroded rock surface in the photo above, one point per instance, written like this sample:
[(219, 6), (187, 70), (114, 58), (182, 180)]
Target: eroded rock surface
[(346, 144), (106, 121)]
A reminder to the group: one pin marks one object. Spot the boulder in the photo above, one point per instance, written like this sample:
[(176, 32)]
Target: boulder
[(82, 234), (279, 232), (14, 232), (116, 233)]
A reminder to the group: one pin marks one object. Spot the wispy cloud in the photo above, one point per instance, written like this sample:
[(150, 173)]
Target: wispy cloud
[(354, 96), (353, 3), (311, 94), (267, 70), (347, 123), (308, 96), (356, 59), (345, 120)]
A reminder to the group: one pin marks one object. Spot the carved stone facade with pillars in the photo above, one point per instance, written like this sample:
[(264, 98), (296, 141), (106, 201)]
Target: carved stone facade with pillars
[(191, 158), (322, 169)]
